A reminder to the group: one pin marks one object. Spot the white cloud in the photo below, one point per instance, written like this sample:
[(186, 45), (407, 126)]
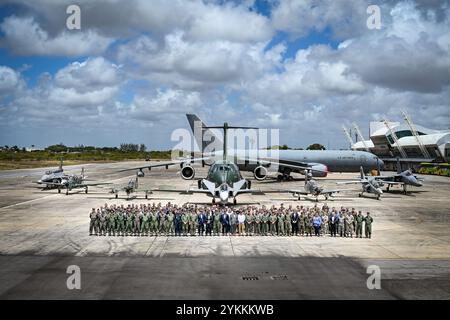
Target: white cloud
[(188, 64), (94, 73), (300, 17), (25, 37), (10, 80)]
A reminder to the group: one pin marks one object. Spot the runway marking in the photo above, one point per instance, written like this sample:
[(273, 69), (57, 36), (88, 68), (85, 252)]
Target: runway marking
[(151, 244), (232, 248), (21, 203)]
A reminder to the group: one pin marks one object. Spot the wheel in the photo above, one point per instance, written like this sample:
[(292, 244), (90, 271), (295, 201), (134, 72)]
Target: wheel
[(279, 177), (359, 195), (234, 201), (117, 196), (67, 192), (86, 191), (378, 197), (59, 190), (146, 196), (298, 198), (213, 200), (290, 178)]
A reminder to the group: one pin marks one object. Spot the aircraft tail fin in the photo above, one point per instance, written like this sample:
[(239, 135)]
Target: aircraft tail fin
[(307, 176), (361, 170), (203, 137)]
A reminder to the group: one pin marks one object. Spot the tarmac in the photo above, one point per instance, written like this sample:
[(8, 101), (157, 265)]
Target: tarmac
[(43, 232)]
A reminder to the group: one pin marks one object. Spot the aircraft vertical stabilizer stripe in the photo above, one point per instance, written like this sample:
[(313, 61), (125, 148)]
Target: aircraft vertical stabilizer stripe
[(201, 143)]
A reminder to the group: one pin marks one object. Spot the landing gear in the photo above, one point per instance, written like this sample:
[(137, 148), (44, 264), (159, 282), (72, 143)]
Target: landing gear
[(213, 200), (404, 189), (360, 195), (117, 195), (234, 201), (146, 194), (285, 177), (67, 191), (86, 190), (378, 197), (59, 190), (326, 197), (387, 189)]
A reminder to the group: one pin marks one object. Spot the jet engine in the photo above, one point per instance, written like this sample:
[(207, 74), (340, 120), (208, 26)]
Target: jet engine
[(187, 172), (260, 173), (319, 170), (140, 173)]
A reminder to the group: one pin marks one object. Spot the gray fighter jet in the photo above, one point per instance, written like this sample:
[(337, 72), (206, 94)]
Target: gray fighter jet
[(287, 161), (130, 188), (311, 187), (369, 184), (74, 182), (403, 178), (53, 176)]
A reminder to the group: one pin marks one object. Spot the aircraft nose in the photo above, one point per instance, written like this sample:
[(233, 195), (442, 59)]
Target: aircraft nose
[(223, 196)]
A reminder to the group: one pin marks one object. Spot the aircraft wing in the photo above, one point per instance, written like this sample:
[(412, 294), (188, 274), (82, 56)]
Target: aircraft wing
[(167, 163), (55, 184), (251, 191), (297, 191), (390, 182), (334, 191), (81, 185), (299, 166), (384, 177), (350, 182)]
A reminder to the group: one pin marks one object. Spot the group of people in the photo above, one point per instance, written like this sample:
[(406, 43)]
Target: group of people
[(188, 219)]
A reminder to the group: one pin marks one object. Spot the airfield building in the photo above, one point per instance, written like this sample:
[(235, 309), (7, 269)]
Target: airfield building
[(412, 143)]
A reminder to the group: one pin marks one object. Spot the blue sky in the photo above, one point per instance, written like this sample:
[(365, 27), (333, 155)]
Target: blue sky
[(303, 67)]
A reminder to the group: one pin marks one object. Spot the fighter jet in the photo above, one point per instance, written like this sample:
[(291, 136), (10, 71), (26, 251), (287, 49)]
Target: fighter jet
[(53, 176), (130, 188), (369, 184), (311, 187), (402, 178), (287, 161), (74, 182)]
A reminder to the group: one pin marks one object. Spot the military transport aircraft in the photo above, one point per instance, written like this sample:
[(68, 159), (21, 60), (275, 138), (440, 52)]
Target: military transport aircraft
[(402, 178), (74, 182), (311, 187), (130, 188), (287, 161), (223, 182)]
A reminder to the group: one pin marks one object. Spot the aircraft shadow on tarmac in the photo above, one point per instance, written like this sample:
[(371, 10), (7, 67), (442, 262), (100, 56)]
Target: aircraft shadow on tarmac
[(312, 199), (131, 198), (206, 203)]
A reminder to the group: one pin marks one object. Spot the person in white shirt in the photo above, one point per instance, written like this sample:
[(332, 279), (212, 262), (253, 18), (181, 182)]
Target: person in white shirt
[(241, 222)]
